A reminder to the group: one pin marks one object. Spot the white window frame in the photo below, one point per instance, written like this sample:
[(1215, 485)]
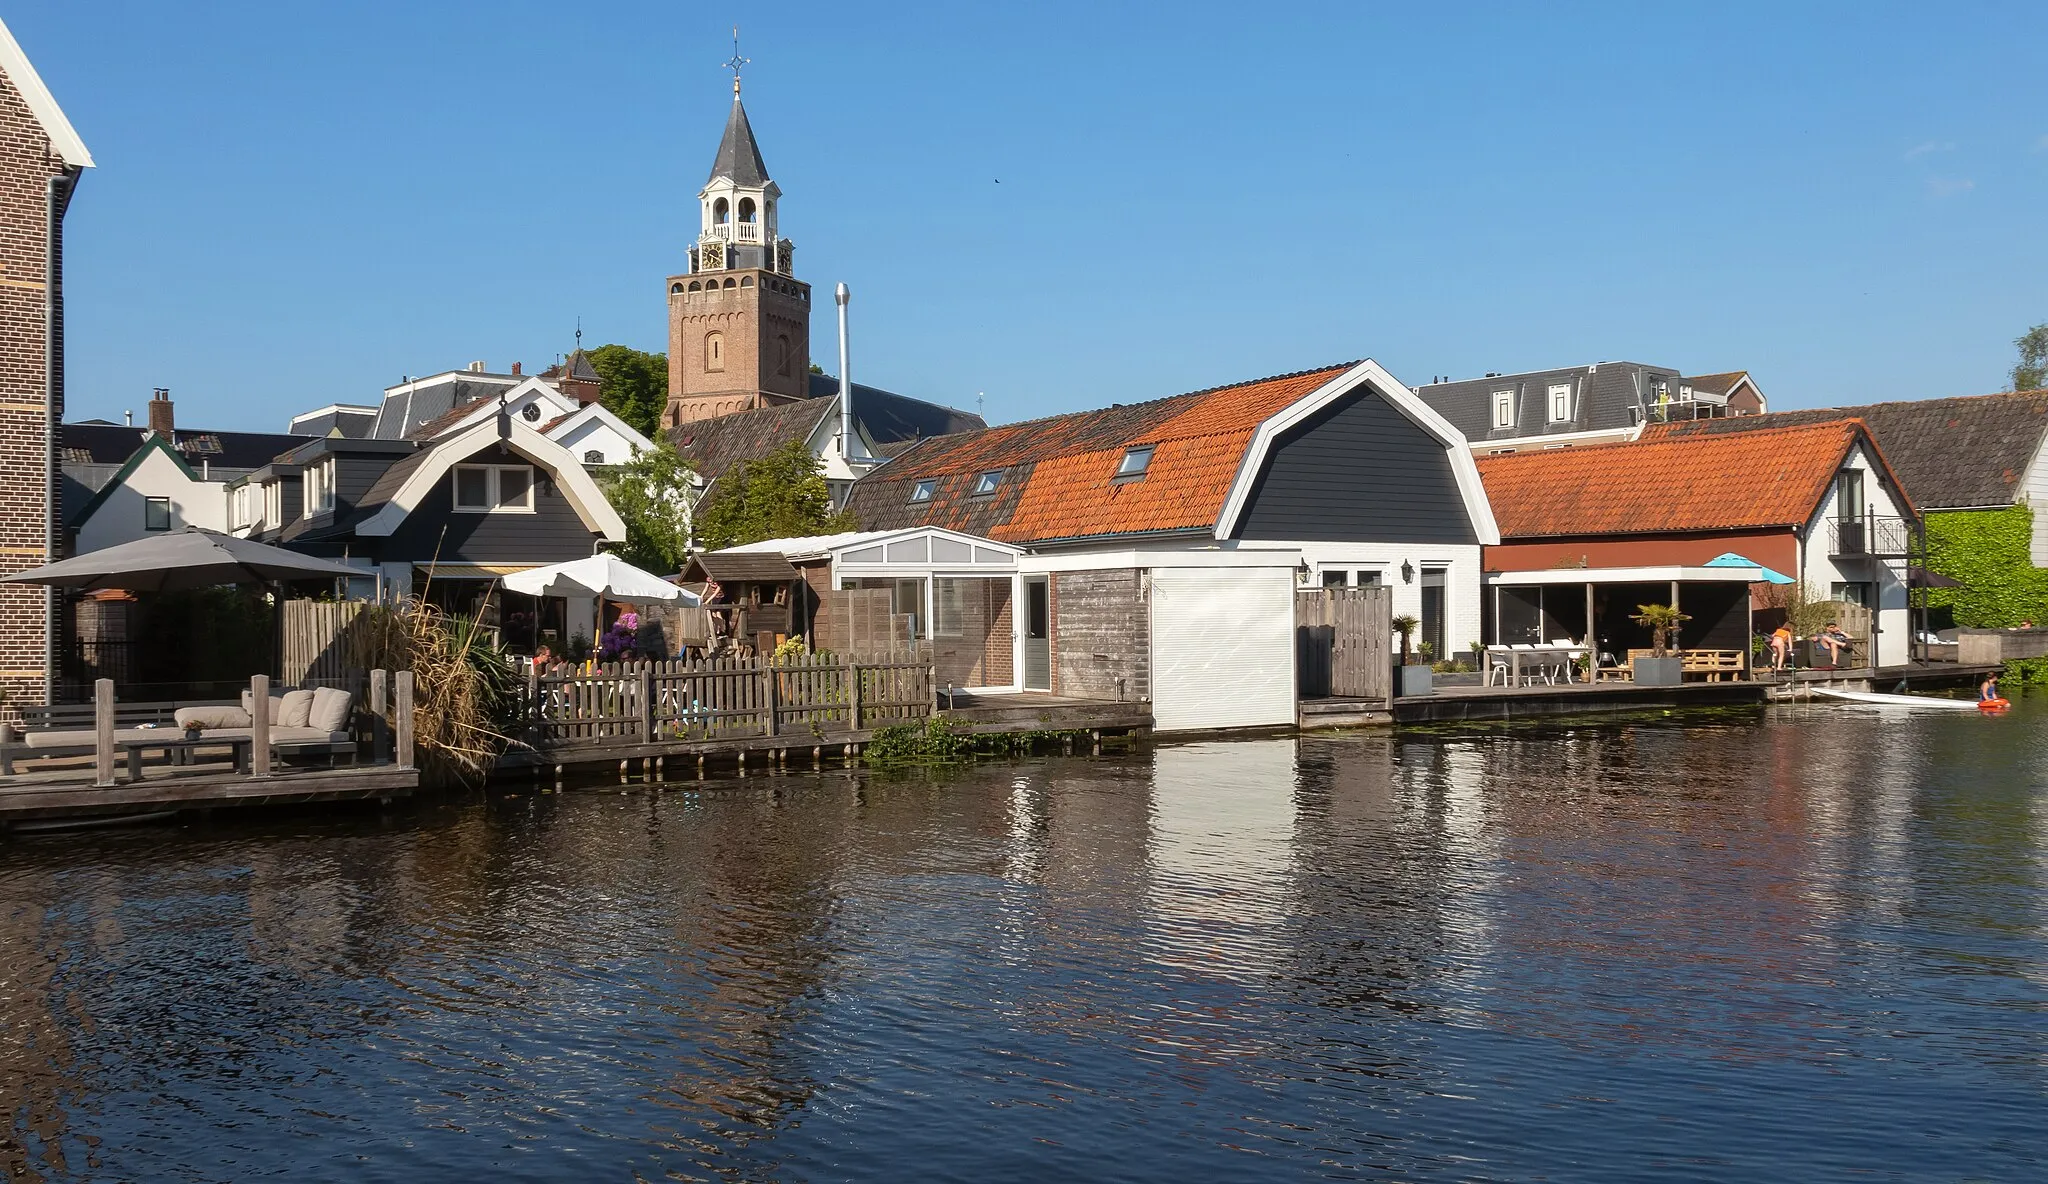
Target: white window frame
[(1503, 409), (319, 489), (1559, 401), (273, 503), (491, 499)]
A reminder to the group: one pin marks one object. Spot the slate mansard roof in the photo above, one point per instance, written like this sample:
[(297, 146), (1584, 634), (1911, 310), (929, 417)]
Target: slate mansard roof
[(890, 418), (1961, 453), (1605, 396), (1057, 473), (1752, 480)]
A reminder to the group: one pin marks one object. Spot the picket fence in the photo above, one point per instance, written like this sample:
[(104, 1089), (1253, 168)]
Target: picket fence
[(721, 699)]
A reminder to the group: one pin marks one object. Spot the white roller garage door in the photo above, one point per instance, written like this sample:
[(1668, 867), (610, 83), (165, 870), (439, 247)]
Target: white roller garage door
[(1222, 648)]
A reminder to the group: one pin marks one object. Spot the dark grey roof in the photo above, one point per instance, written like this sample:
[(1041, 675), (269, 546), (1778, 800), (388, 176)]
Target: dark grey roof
[(738, 156), (351, 423), (226, 454), (734, 566), (380, 493), (404, 412), (1949, 453), (714, 445), (1605, 396), (890, 418)]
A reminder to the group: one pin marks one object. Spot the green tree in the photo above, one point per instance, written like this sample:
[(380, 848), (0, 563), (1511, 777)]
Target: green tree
[(655, 493), (2032, 372), (635, 385), (781, 495)]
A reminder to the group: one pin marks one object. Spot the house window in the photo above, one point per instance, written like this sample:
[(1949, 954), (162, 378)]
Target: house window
[(924, 489), (1503, 409), (1336, 579), (156, 513), (1851, 593), (987, 482), (1135, 462), (1369, 579), (948, 604), (1560, 403), (487, 489), (593, 457), (319, 489), (273, 503)]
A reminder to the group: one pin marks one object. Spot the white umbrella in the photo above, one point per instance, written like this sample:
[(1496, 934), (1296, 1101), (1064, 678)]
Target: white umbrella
[(599, 575)]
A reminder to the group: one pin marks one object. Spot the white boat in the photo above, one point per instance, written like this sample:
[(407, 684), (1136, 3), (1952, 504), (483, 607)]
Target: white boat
[(1898, 700)]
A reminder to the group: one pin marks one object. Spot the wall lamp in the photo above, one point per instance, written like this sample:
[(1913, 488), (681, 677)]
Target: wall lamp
[(1407, 572)]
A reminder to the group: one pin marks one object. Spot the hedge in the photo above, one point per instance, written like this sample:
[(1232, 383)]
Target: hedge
[(1990, 551)]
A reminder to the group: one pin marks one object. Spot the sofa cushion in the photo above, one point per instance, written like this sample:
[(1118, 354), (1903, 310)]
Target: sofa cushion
[(307, 736), (330, 709), (293, 709), (212, 717), (276, 701)]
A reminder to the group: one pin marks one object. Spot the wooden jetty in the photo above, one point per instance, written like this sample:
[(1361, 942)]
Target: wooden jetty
[(1458, 704), (73, 788)]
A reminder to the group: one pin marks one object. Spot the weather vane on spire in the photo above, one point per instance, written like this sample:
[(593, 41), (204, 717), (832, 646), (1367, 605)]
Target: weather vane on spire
[(737, 63)]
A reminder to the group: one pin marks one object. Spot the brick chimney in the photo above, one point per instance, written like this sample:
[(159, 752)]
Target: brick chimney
[(160, 420), (516, 366)]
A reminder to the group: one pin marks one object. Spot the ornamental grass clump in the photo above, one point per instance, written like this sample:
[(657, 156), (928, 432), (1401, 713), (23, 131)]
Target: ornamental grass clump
[(464, 695)]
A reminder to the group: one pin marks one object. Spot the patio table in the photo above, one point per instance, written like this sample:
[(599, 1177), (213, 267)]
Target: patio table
[(1515, 655)]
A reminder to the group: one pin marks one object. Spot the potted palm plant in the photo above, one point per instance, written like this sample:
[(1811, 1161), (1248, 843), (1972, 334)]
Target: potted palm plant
[(1414, 677), (1664, 667)]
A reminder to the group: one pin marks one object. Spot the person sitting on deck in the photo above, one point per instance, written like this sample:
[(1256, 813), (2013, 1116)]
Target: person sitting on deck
[(1835, 641), (1781, 647)]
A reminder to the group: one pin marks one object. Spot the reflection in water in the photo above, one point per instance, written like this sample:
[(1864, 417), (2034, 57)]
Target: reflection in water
[(1809, 943)]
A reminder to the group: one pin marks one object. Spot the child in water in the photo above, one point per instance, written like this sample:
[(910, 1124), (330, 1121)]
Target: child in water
[(1989, 691)]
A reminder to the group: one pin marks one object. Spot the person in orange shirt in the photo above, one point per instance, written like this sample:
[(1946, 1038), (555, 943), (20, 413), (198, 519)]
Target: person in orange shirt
[(1781, 647)]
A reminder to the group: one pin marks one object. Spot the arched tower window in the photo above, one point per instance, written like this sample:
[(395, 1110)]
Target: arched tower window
[(783, 359), (694, 286), (720, 212), (714, 351), (675, 288), (746, 281), (746, 209)]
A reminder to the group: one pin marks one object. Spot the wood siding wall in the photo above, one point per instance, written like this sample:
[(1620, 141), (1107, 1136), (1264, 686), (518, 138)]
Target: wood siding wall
[(1101, 631), (1357, 470), (552, 533)]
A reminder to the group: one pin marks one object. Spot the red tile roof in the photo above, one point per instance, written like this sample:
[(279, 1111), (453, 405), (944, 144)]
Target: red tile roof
[(1057, 471), (1661, 484)]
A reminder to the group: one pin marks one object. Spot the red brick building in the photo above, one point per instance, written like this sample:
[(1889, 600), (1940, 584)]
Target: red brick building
[(41, 158)]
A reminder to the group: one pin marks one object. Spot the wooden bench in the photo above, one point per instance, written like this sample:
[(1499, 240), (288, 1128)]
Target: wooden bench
[(1705, 665), (1712, 665)]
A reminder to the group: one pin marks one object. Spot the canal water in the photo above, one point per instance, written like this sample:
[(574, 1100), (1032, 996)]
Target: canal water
[(1806, 943)]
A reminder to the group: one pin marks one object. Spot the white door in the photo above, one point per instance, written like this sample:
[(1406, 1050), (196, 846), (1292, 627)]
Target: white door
[(1222, 648)]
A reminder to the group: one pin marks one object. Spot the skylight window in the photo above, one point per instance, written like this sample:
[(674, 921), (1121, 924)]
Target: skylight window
[(924, 489), (988, 482), (1135, 462)]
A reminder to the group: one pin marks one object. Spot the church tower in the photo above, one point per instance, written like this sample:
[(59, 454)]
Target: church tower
[(739, 323)]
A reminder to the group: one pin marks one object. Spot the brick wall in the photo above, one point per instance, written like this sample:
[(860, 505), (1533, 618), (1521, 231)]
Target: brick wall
[(27, 468), (1101, 631), (752, 322)]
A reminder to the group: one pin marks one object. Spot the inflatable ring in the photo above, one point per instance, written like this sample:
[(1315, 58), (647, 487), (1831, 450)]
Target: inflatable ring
[(1993, 705)]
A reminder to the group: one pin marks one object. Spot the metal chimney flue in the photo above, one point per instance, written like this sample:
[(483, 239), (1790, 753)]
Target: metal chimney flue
[(840, 296)]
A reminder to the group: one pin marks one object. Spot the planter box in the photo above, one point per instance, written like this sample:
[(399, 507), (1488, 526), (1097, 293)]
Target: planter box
[(1416, 680), (1659, 672)]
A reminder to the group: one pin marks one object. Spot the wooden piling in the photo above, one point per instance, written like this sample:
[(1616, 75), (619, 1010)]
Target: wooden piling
[(103, 732), (259, 726), (404, 712)]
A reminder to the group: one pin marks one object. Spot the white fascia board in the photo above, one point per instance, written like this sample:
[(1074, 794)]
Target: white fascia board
[(447, 376), (576, 484), (1537, 443), (337, 408), (603, 415), (513, 398), (1478, 511), (1204, 557), (41, 103), (1625, 575)]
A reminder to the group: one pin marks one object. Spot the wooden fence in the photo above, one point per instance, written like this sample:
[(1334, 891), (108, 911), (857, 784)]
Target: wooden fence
[(721, 699), (316, 640), (1342, 642)]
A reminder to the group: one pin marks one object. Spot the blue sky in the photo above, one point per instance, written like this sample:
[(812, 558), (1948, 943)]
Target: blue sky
[(1061, 205)]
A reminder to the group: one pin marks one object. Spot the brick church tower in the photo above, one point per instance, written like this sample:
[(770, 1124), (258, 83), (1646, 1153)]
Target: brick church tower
[(41, 159), (739, 324)]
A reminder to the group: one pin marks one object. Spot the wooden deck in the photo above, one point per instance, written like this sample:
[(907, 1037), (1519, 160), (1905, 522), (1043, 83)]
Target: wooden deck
[(1454, 704), (66, 791)]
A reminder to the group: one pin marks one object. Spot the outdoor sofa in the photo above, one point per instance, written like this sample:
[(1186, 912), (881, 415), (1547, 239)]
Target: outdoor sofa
[(305, 722)]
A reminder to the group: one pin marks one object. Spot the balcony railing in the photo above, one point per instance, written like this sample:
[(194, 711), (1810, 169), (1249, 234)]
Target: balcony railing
[(735, 232), (1871, 537)]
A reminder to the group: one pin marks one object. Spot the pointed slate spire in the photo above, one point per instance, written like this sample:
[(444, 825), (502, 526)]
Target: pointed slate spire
[(739, 158)]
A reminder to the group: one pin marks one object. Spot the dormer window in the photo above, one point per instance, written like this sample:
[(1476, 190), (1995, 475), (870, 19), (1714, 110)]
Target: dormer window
[(923, 490), (1560, 403), (1135, 463), (1503, 409), (987, 483)]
